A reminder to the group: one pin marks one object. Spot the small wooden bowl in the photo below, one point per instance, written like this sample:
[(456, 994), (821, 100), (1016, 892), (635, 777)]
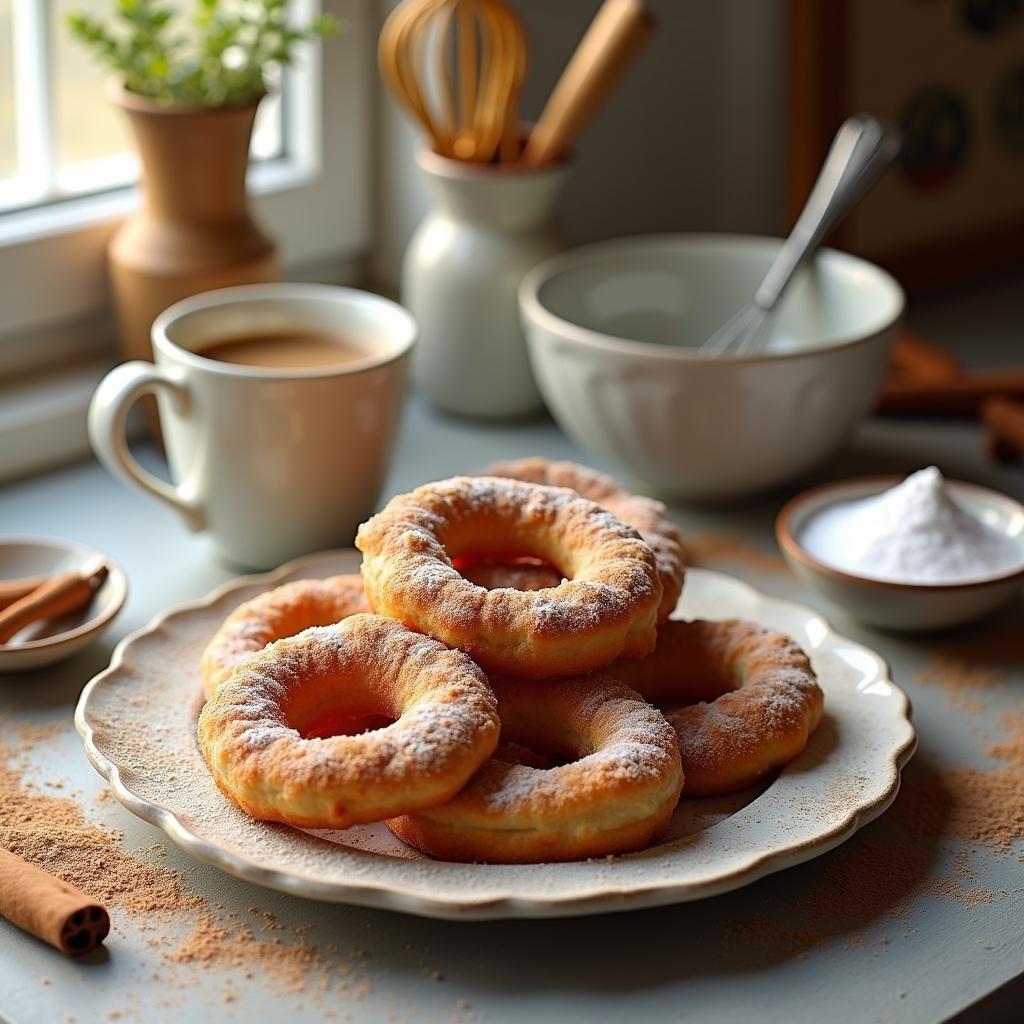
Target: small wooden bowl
[(45, 643), (905, 607)]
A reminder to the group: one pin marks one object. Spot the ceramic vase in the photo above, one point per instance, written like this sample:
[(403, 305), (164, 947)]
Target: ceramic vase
[(193, 230), (487, 227)]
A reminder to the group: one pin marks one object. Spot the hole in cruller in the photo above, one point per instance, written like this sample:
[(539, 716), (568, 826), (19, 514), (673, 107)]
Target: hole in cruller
[(337, 723)]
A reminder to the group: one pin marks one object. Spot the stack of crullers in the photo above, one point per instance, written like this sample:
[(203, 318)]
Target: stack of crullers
[(503, 681)]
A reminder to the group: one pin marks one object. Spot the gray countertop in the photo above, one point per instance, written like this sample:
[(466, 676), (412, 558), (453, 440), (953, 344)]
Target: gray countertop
[(904, 922)]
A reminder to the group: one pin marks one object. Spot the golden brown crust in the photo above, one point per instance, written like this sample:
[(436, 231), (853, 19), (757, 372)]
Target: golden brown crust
[(275, 614), (751, 695), (517, 809), (646, 515), (252, 729), (606, 609)]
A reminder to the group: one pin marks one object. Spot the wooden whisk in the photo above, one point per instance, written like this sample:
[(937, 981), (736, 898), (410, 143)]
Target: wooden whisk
[(473, 114)]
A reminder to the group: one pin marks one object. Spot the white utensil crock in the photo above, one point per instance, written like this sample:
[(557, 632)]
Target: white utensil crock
[(487, 228)]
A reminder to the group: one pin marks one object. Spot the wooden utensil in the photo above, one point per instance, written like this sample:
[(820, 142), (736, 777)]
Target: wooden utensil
[(475, 116), (58, 596), (616, 35)]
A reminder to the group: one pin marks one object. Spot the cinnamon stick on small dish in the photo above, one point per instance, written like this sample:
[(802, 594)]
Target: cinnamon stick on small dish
[(57, 596), (48, 908), (14, 590)]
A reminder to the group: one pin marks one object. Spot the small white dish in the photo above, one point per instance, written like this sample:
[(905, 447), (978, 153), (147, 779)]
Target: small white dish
[(138, 720), (46, 643), (614, 331), (910, 607)]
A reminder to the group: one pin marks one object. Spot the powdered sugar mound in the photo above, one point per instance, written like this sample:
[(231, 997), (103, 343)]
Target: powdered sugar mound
[(917, 532)]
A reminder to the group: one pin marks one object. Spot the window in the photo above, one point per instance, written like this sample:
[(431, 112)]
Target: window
[(8, 141), (60, 138), (67, 168)]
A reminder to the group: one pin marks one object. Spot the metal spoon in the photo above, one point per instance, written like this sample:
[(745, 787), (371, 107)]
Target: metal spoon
[(862, 149)]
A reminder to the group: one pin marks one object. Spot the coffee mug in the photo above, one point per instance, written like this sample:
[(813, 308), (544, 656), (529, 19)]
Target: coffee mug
[(272, 462)]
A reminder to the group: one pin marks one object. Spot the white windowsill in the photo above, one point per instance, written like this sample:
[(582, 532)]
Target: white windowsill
[(58, 218), (42, 419), (43, 415)]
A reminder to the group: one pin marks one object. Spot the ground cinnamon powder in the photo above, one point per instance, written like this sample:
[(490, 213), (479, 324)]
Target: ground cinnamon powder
[(989, 803), (964, 682), (1011, 747), (51, 831), (872, 881), (230, 942), (868, 883), (979, 804)]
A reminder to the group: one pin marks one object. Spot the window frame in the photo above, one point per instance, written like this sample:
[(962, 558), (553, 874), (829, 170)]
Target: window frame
[(52, 257)]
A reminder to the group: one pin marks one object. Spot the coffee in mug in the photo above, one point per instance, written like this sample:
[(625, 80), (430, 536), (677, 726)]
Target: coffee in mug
[(288, 349), (279, 406)]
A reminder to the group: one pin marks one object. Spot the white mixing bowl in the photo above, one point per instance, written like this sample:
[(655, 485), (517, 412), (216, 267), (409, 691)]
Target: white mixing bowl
[(612, 330)]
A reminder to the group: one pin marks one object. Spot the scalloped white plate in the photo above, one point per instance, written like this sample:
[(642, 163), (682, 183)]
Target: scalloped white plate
[(138, 722)]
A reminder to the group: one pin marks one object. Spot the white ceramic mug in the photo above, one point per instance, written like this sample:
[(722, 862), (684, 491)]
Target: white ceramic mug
[(270, 462)]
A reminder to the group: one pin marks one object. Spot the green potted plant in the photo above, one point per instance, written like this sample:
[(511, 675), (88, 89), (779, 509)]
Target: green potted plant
[(190, 98)]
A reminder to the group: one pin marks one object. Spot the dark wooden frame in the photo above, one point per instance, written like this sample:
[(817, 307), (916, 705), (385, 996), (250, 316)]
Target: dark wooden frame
[(816, 80)]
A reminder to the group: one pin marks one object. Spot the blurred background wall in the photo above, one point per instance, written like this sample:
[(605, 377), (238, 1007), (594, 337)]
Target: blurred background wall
[(692, 140)]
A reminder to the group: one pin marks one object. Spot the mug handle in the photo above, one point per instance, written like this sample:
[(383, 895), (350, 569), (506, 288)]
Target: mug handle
[(108, 413)]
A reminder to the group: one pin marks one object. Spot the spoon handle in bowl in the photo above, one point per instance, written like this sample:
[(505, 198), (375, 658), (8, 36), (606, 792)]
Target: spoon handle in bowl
[(862, 149)]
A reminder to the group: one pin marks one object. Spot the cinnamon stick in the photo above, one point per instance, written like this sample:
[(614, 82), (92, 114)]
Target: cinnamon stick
[(14, 590), (58, 596), (915, 357), (1000, 450), (961, 396), (48, 908), (1005, 421)]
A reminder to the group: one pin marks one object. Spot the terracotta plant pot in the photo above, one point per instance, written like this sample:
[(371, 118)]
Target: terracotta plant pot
[(193, 230)]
